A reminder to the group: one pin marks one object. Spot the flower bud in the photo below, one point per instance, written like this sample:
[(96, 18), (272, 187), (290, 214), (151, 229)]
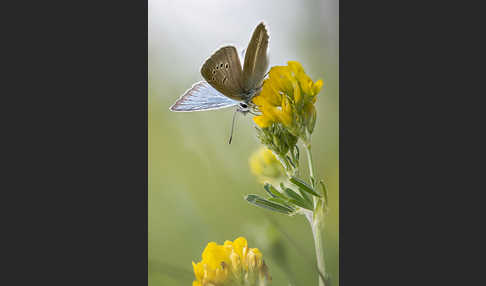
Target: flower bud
[(265, 165)]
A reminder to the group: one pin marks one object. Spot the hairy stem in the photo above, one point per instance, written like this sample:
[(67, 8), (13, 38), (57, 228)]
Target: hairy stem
[(317, 222), (311, 164), (318, 232)]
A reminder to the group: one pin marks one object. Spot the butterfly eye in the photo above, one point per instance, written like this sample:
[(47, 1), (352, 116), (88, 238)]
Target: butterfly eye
[(244, 105)]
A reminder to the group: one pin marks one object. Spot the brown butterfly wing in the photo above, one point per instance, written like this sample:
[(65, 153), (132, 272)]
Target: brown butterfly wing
[(223, 72), (256, 60)]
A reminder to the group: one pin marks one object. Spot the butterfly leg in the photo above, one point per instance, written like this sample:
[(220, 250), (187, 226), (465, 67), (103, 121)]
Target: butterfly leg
[(233, 125)]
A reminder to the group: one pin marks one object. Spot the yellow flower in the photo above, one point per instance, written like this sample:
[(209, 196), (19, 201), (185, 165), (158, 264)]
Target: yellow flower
[(231, 264), (288, 96), (308, 87), (265, 165), (273, 104)]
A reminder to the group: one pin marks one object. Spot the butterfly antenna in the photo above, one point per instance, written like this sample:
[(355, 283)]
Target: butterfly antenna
[(233, 126)]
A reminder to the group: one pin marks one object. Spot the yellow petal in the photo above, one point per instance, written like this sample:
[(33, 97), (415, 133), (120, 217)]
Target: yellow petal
[(297, 96), (271, 112), (285, 115), (259, 100), (214, 254), (255, 165), (258, 256), (198, 270), (280, 78), (239, 244), (317, 87), (262, 121), (267, 97), (305, 83), (228, 243), (256, 251), (296, 67), (268, 156), (270, 93)]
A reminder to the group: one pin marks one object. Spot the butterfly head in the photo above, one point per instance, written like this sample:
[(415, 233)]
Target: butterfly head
[(243, 107), (246, 107)]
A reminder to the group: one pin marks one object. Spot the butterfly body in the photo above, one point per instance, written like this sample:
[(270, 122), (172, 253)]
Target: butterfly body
[(227, 83)]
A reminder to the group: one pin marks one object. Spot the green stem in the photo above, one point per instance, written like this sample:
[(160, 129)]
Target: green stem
[(317, 222), (318, 232), (311, 165)]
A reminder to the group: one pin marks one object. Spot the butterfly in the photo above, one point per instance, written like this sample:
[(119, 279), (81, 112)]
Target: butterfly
[(226, 83)]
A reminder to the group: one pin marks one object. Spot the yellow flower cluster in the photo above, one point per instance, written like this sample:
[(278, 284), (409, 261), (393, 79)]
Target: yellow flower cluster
[(231, 264), (288, 97), (265, 165)]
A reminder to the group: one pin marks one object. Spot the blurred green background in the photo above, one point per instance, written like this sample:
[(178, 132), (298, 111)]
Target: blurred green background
[(197, 181)]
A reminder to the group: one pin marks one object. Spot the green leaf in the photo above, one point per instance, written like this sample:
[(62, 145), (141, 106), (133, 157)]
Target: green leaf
[(324, 191), (303, 186), (273, 192), (292, 194), (266, 187), (302, 204), (306, 196), (296, 198), (290, 161), (297, 152), (263, 203), (282, 202)]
